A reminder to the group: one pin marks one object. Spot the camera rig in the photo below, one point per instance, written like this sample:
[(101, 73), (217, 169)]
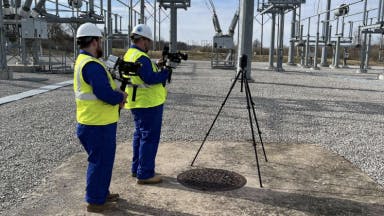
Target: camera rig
[(170, 60), (124, 69)]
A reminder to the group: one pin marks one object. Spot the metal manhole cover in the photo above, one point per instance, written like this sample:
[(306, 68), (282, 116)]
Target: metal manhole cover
[(211, 179)]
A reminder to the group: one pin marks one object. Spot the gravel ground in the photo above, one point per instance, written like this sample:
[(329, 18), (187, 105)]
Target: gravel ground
[(338, 109)]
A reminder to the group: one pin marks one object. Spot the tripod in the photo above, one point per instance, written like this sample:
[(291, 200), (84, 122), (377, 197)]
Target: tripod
[(244, 81)]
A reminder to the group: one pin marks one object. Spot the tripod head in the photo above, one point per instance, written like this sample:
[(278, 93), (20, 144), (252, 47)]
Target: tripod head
[(243, 66), (243, 61)]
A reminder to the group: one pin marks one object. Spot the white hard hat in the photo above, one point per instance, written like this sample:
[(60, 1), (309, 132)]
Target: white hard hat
[(142, 30), (88, 30)]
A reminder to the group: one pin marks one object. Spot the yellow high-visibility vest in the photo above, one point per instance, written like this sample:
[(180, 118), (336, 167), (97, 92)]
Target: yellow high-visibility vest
[(89, 109), (146, 95)]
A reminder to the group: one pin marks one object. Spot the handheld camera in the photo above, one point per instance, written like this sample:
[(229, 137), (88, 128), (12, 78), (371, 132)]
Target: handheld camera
[(171, 59), (124, 69)]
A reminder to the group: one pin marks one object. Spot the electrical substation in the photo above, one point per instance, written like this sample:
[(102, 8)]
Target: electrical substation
[(277, 108)]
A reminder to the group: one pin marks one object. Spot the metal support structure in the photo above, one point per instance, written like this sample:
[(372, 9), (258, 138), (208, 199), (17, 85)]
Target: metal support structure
[(116, 29), (314, 66), (130, 22), (307, 45), (380, 15), (261, 34), (173, 30), (291, 52), (302, 48), (324, 51), (4, 72), (154, 26), (272, 44), (108, 51), (368, 49), (173, 6), (336, 60), (280, 7), (280, 47), (23, 40), (381, 49), (246, 33), (142, 7), (363, 68), (159, 26)]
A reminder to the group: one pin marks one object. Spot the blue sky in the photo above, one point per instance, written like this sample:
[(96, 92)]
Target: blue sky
[(195, 24)]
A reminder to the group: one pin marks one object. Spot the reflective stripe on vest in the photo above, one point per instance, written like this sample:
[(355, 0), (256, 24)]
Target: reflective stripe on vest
[(146, 95), (78, 94), (89, 109)]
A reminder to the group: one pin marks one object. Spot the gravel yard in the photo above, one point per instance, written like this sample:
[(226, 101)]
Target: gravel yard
[(337, 109)]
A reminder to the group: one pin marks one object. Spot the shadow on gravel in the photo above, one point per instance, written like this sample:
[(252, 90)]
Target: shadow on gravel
[(124, 208), (301, 202)]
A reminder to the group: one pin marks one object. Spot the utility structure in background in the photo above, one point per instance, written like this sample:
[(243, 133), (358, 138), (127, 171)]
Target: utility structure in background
[(245, 36), (173, 5), (341, 40), (367, 30), (223, 44), (278, 8), (24, 27), (4, 72)]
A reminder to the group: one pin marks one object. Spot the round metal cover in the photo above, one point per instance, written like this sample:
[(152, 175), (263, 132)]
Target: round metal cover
[(208, 179)]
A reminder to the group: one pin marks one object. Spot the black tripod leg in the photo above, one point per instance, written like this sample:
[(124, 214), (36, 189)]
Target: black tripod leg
[(217, 115), (257, 123), (248, 97)]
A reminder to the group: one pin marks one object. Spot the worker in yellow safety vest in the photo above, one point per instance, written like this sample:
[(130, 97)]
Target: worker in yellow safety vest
[(147, 95), (97, 104)]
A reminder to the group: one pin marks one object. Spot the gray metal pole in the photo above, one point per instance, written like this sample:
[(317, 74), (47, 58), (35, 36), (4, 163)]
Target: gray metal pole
[(154, 26), (291, 53), (368, 49), (379, 11), (381, 47), (4, 72), (362, 68), (142, 6), (109, 28), (121, 21), (302, 56), (317, 44), (116, 29), (91, 7), (173, 29), (130, 23), (279, 62), (382, 10), (307, 47), (246, 33), (159, 26), (24, 56), (272, 44), (337, 48), (324, 52)]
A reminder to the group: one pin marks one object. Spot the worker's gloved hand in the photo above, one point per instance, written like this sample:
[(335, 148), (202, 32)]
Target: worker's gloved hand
[(122, 103), (161, 63)]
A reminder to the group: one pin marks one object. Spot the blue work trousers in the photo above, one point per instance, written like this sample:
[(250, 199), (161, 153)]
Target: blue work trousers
[(146, 140), (100, 144)]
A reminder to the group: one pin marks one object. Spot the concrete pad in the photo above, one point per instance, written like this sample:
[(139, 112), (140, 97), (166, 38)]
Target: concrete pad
[(299, 179)]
